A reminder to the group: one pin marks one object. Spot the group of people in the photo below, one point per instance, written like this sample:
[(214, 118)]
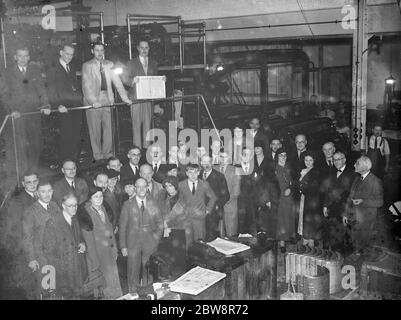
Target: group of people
[(81, 227), (25, 89)]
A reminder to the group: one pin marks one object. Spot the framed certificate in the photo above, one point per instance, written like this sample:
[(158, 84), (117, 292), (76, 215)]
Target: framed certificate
[(150, 87)]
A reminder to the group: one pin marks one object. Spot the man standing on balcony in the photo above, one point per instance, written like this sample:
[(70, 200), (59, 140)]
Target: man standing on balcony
[(141, 113), (64, 92), (97, 78), (22, 89)]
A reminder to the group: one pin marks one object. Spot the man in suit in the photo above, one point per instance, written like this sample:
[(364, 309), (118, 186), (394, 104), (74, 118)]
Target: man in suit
[(33, 226), (200, 198), (154, 188), (271, 154), (14, 267), (141, 113), (338, 188), (130, 171), (141, 227), (215, 152), (64, 91), (22, 89), (218, 183), (365, 197), (97, 79), (114, 163), (113, 195), (297, 162), (156, 161), (258, 134), (70, 183), (233, 183), (326, 162)]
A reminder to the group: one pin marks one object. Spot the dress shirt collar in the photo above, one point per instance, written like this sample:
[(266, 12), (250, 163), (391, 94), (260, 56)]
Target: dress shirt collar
[(139, 201), (44, 205), (206, 174), (22, 69), (67, 218), (190, 184), (245, 166), (63, 63), (30, 193), (342, 169), (69, 181), (363, 176), (143, 59), (134, 168)]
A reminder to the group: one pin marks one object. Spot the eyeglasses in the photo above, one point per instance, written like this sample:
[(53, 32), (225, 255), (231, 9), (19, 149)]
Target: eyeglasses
[(338, 159), (71, 205)]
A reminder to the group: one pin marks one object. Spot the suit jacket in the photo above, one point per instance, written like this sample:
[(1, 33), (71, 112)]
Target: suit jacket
[(233, 182), (62, 188), (60, 246), (33, 224), (337, 190), (156, 189), (325, 170), (261, 137), (126, 172), (140, 231), (114, 200), (161, 173), (218, 183), (91, 81), (296, 163), (203, 199), (11, 222), (370, 190), (134, 69), (23, 93), (63, 88)]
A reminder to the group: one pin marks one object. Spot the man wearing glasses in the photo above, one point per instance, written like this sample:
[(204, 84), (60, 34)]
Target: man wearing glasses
[(338, 188), (70, 183), (130, 171), (14, 271)]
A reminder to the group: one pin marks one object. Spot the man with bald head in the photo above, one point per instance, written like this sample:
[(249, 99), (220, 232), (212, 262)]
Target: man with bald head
[(365, 197), (140, 228), (218, 183), (154, 188), (326, 163)]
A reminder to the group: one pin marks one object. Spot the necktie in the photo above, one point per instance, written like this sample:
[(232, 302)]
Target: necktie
[(24, 71), (73, 185), (193, 188), (155, 168), (142, 206), (47, 207), (67, 67), (204, 176), (339, 172), (103, 85), (222, 169), (246, 169), (329, 163), (376, 143), (145, 65)]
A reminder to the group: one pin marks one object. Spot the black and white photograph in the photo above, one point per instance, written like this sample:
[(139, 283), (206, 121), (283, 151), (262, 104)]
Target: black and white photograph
[(211, 151)]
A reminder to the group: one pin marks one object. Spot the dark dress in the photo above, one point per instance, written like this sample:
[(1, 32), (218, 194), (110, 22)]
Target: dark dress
[(312, 209), (286, 209)]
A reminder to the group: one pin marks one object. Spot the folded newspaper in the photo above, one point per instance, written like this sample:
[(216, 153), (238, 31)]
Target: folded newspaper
[(228, 247), (196, 280)]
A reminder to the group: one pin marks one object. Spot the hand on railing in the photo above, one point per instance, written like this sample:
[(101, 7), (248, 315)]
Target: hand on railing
[(128, 101), (62, 109), (97, 105), (46, 110)]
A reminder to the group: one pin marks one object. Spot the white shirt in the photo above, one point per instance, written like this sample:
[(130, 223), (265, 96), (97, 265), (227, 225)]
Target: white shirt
[(341, 171), (215, 158), (254, 133), (329, 162), (44, 205), (273, 154), (70, 181), (245, 167), (139, 202), (67, 217), (382, 144), (206, 174), (134, 168), (22, 69), (364, 175), (64, 64), (190, 184), (30, 193), (158, 163), (144, 62)]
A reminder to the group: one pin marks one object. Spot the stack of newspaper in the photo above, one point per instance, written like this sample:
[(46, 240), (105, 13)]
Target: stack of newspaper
[(196, 280), (228, 247)]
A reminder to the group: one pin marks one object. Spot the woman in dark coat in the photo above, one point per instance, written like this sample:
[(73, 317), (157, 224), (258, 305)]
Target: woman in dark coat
[(101, 245), (286, 209), (310, 210), (64, 248)]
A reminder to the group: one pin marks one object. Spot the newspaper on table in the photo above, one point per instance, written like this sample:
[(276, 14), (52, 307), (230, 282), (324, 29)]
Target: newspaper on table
[(196, 280), (150, 87), (228, 247)]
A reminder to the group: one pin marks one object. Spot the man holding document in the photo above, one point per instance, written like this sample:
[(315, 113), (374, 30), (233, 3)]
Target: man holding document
[(141, 113)]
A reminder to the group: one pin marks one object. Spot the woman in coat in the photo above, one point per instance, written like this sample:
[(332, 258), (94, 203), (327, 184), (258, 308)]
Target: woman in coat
[(286, 210), (64, 248), (310, 211), (101, 245)]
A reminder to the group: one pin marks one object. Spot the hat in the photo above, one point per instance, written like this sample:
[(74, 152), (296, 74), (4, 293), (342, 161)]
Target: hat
[(127, 182), (172, 180), (111, 173), (259, 143), (93, 189)]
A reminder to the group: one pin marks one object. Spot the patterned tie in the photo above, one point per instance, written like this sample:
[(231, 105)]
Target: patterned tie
[(193, 188), (103, 84)]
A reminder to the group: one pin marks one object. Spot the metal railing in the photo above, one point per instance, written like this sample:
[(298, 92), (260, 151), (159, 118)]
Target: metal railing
[(199, 99)]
